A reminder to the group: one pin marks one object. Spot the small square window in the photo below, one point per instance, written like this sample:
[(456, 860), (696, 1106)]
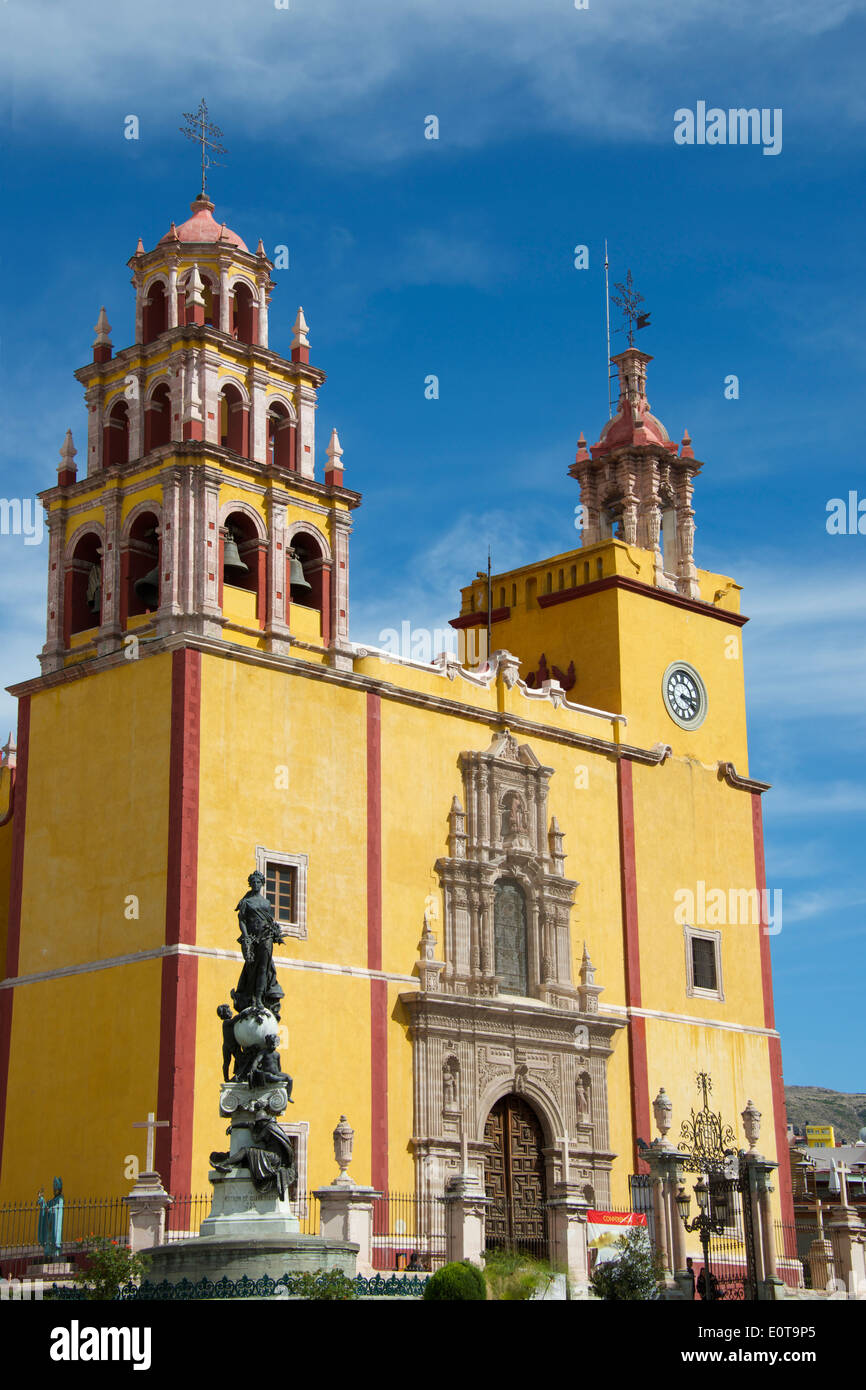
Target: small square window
[(285, 888), (703, 963)]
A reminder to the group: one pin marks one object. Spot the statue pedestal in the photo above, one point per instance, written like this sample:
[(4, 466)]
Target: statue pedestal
[(50, 1270), (239, 1209), (346, 1213)]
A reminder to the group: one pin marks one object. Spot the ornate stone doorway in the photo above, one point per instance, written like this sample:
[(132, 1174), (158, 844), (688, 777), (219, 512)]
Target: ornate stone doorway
[(514, 1178)]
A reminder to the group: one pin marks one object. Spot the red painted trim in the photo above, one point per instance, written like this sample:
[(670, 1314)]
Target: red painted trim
[(16, 885), (780, 1116), (180, 973), (293, 448), (640, 1098), (262, 604), (378, 988), (634, 586), (479, 619)]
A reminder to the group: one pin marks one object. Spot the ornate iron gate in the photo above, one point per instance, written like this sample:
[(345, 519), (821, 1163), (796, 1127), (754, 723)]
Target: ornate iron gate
[(514, 1179)]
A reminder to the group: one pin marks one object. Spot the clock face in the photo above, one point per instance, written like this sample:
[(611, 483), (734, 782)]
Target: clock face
[(685, 695)]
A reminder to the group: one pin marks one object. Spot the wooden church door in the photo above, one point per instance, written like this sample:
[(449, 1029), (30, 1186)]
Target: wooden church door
[(514, 1178)]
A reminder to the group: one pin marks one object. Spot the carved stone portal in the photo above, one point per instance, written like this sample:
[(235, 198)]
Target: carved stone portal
[(501, 1014)]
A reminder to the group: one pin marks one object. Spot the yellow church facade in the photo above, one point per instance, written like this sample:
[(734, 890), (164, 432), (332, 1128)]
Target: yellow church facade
[(524, 883)]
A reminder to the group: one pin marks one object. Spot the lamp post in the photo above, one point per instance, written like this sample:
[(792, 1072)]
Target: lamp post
[(712, 1218)]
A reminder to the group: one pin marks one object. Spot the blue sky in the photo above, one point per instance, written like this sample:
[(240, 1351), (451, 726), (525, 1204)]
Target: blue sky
[(455, 257)]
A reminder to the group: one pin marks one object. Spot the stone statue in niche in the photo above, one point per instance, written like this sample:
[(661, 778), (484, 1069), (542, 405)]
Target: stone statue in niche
[(583, 1093), (451, 1084), (513, 816)]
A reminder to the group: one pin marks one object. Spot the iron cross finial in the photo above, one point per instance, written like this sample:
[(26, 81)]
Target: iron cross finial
[(199, 128), (628, 300)]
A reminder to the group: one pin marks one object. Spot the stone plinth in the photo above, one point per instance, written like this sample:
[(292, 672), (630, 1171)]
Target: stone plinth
[(346, 1214), (567, 1209), (147, 1203), (239, 1210), (465, 1216)]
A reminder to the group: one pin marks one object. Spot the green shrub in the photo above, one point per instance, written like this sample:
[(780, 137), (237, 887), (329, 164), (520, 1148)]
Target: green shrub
[(514, 1276), (634, 1275), (108, 1266), (326, 1283), (457, 1282)]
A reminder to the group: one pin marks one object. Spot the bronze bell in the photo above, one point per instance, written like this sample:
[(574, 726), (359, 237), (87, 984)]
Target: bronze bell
[(147, 588), (231, 556), (297, 578)]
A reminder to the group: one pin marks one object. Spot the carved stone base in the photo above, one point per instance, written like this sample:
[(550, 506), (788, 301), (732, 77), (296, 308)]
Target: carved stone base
[(240, 1209)]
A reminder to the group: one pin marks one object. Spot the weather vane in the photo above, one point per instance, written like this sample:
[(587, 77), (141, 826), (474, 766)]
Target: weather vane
[(199, 128), (627, 300)]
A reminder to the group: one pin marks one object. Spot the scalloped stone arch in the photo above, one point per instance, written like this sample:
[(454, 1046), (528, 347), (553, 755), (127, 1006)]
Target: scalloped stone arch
[(164, 379), (150, 505), (86, 528), (236, 505), (160, 277), (304, 528), (237, 381), (542, 1102), (277, 399), (240, 278)]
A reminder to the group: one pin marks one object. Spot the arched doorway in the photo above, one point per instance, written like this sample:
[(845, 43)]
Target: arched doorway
[(514, 1179)]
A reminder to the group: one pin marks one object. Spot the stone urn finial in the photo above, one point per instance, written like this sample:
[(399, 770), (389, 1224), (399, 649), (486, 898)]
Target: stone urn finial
[(662, 1109), (751, 1118), (344, 1138)]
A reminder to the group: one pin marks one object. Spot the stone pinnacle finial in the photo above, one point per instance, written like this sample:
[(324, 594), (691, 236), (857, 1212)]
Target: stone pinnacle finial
[(260, 249), (582, 451), (686, 450), (10, 751), (66, 466), (102, 329), (139, 250), (335, 450), (195, 287), (300, 330)]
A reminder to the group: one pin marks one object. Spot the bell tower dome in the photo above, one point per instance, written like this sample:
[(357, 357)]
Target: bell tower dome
[(636, 487), (201, 509)]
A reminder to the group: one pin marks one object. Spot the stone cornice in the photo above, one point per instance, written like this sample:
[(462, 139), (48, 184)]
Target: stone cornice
[(194, 451), (187, 336), (493, 719), (443, 1010), (621, 581), (729, 774)]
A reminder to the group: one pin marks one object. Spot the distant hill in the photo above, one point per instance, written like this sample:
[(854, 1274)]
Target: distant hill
[(814, 1105)]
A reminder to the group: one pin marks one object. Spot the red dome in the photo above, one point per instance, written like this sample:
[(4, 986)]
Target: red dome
[(202, 227)]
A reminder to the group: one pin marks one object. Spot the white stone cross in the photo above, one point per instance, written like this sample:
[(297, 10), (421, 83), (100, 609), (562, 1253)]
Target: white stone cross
[(151, 1124), (842, 1171), (566, 1158)]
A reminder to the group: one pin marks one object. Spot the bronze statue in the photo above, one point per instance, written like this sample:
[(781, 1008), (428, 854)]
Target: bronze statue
[(257, 986), (231, 1047), (270, 1157)]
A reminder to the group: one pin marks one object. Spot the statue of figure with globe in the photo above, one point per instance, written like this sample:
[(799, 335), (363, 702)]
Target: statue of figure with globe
[(257, 986)]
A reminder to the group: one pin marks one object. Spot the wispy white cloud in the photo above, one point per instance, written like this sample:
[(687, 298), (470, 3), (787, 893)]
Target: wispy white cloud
[(358, 80)]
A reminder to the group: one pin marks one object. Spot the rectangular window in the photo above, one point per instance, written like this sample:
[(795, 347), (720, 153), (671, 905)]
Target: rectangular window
[(703, 963), (285, 887), (281, 890)]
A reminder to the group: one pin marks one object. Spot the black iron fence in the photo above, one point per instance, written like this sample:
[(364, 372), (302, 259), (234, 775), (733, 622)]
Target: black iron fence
[(84, 1219), (408, 1232), (519, 1229)]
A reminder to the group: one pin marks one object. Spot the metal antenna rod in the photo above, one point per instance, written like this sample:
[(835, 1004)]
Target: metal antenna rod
[(607, 318)]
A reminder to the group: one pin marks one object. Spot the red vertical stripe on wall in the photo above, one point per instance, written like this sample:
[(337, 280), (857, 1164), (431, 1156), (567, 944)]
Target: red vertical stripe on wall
[(16, 886), (640, 1101), (780, 1116), (378, 988), (180, 973)]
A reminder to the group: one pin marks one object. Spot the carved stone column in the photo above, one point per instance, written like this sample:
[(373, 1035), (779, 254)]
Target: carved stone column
[(108, 636), (51, 657)]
